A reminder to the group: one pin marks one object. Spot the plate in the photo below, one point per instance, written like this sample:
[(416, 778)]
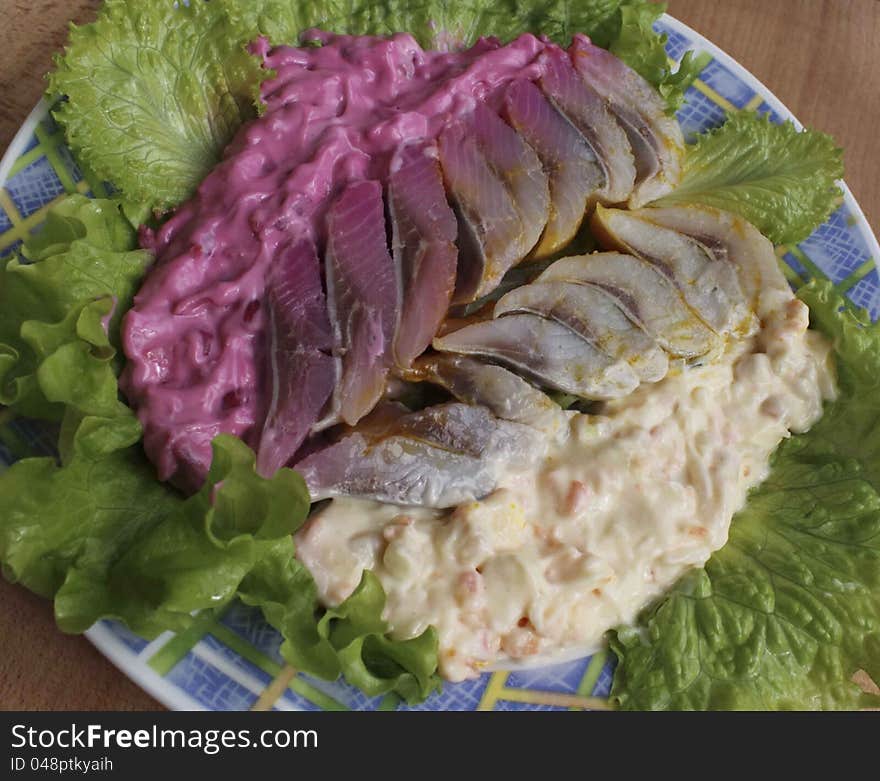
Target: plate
[(231, 661)]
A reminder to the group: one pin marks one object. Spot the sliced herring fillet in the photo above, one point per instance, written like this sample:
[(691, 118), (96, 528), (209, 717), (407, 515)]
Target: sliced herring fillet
[(596, 317), (439, 457), (575, 175), (546, 351), (645, 295)]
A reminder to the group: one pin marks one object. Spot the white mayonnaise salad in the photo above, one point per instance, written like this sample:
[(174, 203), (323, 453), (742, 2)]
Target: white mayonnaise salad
[(616, 508)]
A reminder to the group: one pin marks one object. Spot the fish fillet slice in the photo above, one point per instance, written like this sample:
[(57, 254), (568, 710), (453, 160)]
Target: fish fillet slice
[(424, 252), (575, 176), (363, 299), (656, 138), (645, 295), (552, 354), (505, 394), (596, 317), (589, 113), (709, 285), (491, 235), (302, 373), (439, 457), (518, 166), (730, 239)]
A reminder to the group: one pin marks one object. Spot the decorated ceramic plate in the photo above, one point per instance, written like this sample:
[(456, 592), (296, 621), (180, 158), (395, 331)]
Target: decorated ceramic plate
[(231, 660)]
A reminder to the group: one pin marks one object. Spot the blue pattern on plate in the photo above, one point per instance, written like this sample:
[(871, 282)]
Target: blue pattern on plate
[(698, 113), (677, 43), (209, 686), (799, 267), (510, 705), (835, 248), (249, 624), (345, 695), (726, 83), (125, 636), (563, 678), (767, 110), (456, 696), (866, 294), (33, 186), (236, 660), (70, 164), (292, 701), (603, 684)]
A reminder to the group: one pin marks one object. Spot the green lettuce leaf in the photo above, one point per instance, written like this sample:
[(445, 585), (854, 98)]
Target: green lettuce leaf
[(105, 539), (60, 307), (350, 639), (433, 23), (155, 90), (644, 50), (788, 611), (623, 26), (152, 566), (781, 180)]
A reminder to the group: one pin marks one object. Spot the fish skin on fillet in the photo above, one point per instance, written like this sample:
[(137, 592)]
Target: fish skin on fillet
[(655, 137), (596, 317), (644, 295), (509, 154), (728, 238), (574, 173), (301, 370), (709, 285), (588, 111), (505, 394), (423, 248), (546, 351), (438, 457), (491, 235), (362, 298)]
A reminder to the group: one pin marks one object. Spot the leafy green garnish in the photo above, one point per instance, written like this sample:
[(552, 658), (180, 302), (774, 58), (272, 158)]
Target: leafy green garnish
[(789, 609), (781, 180), (102, 536), (644, 50), (623, 26), (350, 639), (155, 90), (76, 276)]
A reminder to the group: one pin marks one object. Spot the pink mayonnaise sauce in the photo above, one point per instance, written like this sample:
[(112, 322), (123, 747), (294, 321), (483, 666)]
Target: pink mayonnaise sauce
[(334, 114)]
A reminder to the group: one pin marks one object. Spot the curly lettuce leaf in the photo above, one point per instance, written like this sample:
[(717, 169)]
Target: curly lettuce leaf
[(155, 568), (351, 639), (780, 179), (644, 50), (623, 26), (60, 307), (105, 539), (433, 23), (155, 90), (788, 611)]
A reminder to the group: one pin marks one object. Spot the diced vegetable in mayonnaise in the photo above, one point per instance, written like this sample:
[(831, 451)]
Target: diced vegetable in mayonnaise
[(619, 508)]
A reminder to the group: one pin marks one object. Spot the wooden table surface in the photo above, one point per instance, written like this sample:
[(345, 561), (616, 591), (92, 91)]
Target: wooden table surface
[(820, 57)]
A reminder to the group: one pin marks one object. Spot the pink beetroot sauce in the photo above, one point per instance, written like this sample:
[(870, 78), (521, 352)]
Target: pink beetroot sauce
[(335, 114)]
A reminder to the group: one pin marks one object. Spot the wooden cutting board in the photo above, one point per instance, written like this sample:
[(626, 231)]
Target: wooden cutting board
[(820, 57)]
